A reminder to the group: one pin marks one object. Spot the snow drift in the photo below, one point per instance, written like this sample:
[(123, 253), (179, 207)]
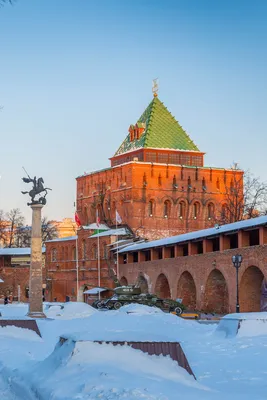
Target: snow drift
[(140, 309), (111, 372), (70, 310)]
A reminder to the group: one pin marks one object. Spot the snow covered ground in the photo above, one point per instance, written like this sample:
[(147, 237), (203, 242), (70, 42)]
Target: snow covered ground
[(232, 367)]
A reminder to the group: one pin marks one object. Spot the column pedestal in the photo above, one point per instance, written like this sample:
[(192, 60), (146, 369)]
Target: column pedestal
[(36, 281)]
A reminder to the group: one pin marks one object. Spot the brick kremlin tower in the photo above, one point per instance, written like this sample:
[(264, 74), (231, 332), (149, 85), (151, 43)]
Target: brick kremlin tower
[(159, 187), (156, 181)]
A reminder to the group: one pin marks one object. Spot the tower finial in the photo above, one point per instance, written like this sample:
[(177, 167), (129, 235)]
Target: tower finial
[(155, 87)]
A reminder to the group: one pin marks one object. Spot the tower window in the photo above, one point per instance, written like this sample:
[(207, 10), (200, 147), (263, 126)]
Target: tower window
[(54, 255), (105, 251), (196, 208), (210, 211), (94, 252), (189, 183), (74, 253), (167, 209), (181, 209), (210, 174), (223, 212), (84, 249), (151, 208), (204, 187)]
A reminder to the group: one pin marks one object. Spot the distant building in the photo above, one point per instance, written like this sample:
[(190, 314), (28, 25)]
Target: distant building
[(22, 234), (5, 236), (66, 227), (15, 272)]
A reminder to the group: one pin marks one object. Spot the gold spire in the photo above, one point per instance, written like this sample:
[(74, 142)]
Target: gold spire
[(155, 87)]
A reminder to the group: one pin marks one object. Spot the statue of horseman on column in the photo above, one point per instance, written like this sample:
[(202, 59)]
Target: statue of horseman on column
[(38, 188)]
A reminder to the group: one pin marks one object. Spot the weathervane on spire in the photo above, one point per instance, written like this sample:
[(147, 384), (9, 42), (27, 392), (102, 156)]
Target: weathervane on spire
[(155, 87)]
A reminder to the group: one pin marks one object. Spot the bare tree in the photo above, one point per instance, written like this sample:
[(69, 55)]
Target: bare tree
[(255, 196), (101, 199), (3, 228), (15, 221), (23, 236), (49, 230), (245, 198)]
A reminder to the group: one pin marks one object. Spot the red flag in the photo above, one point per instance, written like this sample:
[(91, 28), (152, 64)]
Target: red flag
[(77, 220)]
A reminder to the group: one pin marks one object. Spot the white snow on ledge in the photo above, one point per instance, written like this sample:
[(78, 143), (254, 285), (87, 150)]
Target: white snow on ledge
[(252, 316), (201, 234), (17, 251), (64, 239), (243, 325)]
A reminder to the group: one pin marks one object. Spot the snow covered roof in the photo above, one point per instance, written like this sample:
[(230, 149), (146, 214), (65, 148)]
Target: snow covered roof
[(92, 172), (111, 232), (14, 251), (64, 239), (94, 226), (95, 290), (121, 241), (204, 233), (1, 280), (122, 246)]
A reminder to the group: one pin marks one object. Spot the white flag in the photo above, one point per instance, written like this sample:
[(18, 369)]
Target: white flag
[(118, 218), (97, 219)]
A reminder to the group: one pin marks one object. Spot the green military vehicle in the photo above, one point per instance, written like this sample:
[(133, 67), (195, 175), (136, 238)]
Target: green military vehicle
[(125, 295)]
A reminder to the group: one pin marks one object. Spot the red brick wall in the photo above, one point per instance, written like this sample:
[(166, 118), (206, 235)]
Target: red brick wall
[(250, 290), (63, 283), (186, 290), (130, 187), (61, 274), (12, 277), (162, 287), (214, 278), (145, 155), (216, 293)]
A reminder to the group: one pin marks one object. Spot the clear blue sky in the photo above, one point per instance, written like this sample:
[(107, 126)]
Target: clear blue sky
[(74, 74)]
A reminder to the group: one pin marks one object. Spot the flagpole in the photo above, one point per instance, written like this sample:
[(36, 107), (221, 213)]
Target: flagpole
[(77, 261), (117, 250), (77, 267), (98, 254)]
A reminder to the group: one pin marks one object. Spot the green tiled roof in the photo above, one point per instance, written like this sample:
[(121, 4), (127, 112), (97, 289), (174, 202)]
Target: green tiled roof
[(161, 131)]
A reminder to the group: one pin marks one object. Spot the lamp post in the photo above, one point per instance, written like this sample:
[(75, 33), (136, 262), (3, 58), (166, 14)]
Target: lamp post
[(237, 260)]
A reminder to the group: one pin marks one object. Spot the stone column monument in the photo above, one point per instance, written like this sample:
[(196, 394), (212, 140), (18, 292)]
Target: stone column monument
[(36, 281)]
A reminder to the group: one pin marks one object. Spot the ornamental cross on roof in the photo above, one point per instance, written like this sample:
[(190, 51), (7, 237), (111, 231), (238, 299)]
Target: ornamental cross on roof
[(159, 129)]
